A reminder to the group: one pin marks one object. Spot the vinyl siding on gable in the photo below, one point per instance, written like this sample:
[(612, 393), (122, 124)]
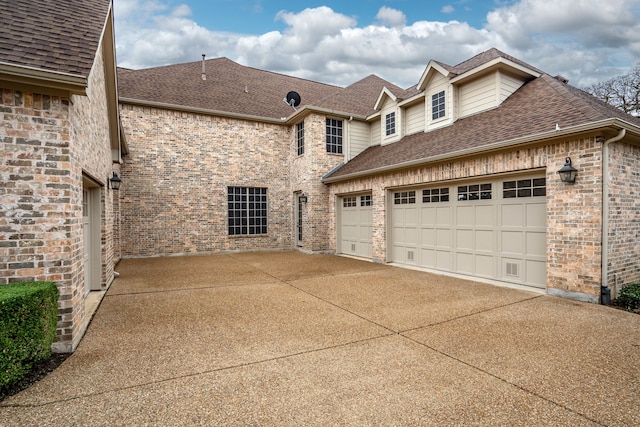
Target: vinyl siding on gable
[(508, 85), (375, 133), (414, 118), (358, 138), (478, 95)]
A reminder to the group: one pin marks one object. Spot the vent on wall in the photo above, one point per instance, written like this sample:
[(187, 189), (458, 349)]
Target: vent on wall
[(409, 255), (512, 269), (353, 247)]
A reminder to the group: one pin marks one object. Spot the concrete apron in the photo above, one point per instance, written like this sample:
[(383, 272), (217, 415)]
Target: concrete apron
[(284, 338)]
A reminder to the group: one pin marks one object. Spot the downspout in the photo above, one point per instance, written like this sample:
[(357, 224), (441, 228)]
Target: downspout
[(605, 291)]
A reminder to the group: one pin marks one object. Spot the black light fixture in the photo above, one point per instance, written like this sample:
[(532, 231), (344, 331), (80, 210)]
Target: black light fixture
[(568, 173), (115, 181), (303, 198)]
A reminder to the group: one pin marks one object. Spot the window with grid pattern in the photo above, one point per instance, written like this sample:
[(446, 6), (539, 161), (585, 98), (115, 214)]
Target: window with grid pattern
[(247, 210), (349, 202), (524, 188), (365, 200), (404, 198), (334, 136), (390, 120), (435, 195), (437, 105), (300, 137)]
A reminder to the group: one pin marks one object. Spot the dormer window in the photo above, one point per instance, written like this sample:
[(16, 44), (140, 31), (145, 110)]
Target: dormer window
[(437, 105), (390, 121)]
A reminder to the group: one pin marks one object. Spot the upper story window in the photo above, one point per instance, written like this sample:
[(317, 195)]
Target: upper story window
[(300, 137), (390, 121), (437, 105), (334, 136), (247, 211)]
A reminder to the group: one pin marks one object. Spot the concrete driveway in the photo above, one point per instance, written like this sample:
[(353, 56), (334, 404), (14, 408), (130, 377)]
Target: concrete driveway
[(288, 339)]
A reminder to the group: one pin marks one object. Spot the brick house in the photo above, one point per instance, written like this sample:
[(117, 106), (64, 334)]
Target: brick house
[(457, 174), (60, 144)]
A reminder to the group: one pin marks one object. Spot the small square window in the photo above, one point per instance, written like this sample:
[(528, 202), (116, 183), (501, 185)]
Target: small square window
[(365, 200)]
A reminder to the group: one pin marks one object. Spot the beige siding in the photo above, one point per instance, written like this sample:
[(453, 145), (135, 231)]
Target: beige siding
[(358, 138), (478, 95), (438, 84), (508, 85), (375, 132), (414, 118)]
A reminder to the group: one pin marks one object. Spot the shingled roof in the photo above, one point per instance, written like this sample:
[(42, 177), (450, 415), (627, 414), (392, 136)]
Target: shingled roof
[(50, 35), (229, 87), (534, 109)]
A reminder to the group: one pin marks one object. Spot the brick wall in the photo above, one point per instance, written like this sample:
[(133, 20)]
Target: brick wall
[(48, 140), (177, 174), (573, 211), (624, 216), (306, 176)]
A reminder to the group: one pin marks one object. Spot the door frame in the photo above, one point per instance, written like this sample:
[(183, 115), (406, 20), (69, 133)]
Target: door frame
[(91, 252)]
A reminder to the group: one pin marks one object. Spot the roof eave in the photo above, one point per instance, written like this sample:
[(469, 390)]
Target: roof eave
[(45, 78), (497, 63), (309, 109), (197, 110), (529, 139)]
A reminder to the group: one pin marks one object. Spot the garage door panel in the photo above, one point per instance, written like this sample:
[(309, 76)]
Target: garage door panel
[(464, 263), (443, 238), (356, 230), (428, 216), (444, 260), (536, 244), (464, 216), (484, 240), (512, 269), (512, 242), (512, 215), (444, 216), (536, 215), (536, 273), (464, 239), (485, 216), (428, 237), (484, 266)]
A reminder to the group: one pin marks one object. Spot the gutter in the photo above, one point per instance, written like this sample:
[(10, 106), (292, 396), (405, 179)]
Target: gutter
[(592, 126), (605, 291), (36, 76)]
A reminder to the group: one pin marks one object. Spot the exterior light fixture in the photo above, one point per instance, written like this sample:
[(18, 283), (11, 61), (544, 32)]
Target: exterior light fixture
[(568, 173), (115, 181), (303, 198)]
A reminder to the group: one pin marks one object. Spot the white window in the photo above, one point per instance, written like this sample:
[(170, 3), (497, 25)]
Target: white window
[(437, 105), (390, 123), (300, 137)]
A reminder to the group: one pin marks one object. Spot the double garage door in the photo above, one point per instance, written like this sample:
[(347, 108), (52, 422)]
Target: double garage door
[(494, 229)]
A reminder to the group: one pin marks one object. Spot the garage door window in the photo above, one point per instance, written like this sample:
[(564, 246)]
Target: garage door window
[(474, 192), (349, 202), (404, 198), (524, 188), (435, 195), (365, 200)]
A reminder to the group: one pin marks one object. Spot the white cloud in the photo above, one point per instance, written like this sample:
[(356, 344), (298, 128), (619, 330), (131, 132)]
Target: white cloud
[(583, 43), (392, 17), (447, 9)]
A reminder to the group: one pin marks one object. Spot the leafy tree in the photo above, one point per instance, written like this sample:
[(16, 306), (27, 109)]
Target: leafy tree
[(622, 91)]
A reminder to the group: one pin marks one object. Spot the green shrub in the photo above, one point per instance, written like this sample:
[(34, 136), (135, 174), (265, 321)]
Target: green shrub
[(28, 317), (629, 297)]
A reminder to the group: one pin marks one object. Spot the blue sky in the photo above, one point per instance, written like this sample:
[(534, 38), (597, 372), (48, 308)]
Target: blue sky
[(340, 42)]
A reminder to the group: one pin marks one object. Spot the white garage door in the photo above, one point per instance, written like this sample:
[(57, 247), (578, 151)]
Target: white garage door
[(355, 235), (494, 229)]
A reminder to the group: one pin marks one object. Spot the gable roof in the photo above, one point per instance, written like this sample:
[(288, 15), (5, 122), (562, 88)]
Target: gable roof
[(51, 36), (533, 110), (229, 88)]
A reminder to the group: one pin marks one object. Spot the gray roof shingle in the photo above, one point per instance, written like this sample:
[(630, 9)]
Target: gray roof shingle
[(52, 35)]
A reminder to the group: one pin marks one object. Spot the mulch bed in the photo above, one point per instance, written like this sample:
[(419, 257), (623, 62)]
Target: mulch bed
[(38, 372)]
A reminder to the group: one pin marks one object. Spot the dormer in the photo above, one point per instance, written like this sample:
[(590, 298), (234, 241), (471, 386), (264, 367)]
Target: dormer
[(439, 95), (478, 84), (390, 117)]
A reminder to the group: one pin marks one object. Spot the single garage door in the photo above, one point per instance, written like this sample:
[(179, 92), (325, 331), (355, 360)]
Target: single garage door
[(494, 229), (355, 235)]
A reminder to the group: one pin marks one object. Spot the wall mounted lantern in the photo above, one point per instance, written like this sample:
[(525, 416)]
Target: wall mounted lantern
[(303, 198), (568, 173), (115, 181)]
